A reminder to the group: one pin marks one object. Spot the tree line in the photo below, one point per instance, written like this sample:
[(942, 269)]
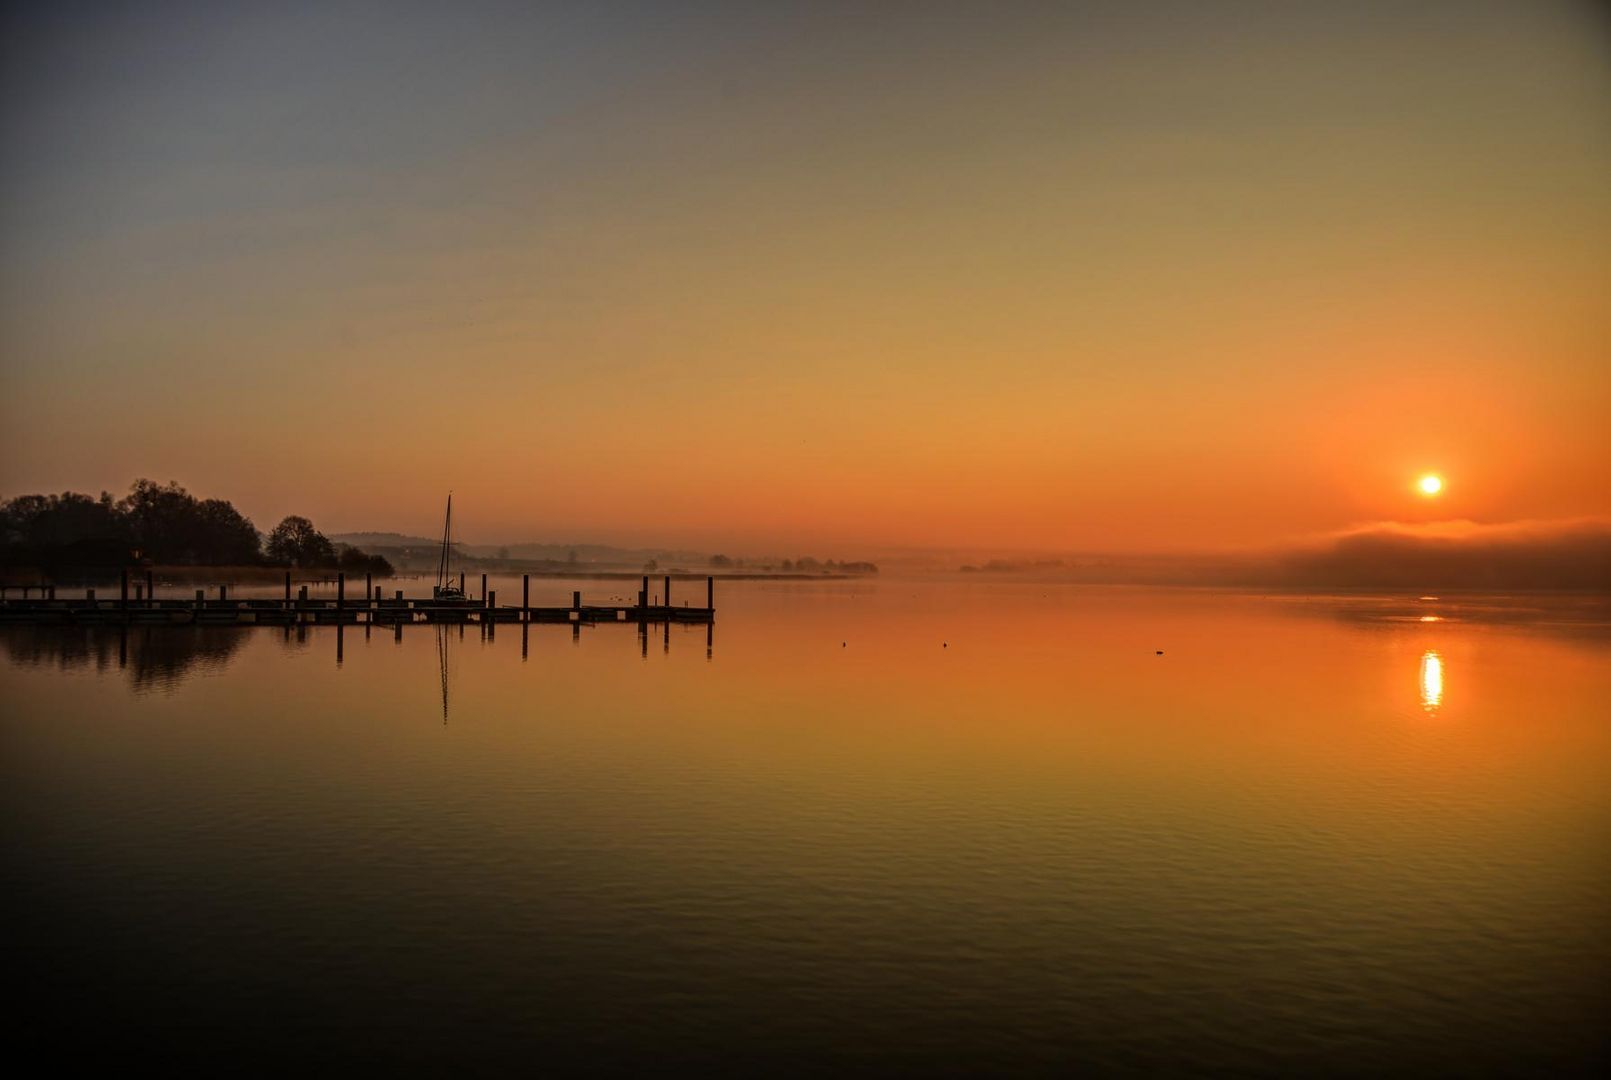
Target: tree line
[(157, 524)]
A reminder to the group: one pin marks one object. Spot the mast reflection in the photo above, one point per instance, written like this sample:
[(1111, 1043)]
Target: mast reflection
[(442, 660)]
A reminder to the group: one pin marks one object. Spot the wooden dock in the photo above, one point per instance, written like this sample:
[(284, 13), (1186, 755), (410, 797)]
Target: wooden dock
[(40, 604)]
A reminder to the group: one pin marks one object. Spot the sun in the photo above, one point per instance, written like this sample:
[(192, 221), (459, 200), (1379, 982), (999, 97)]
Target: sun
[(1430, 484)]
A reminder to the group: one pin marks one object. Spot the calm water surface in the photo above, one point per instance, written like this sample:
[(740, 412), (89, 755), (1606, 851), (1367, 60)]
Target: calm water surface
[(875, 827)]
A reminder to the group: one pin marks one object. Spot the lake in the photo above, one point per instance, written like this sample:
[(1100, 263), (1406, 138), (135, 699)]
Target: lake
[(870, 826)]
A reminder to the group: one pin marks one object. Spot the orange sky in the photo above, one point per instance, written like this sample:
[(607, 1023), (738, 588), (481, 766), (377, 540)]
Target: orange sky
[(815, 277)]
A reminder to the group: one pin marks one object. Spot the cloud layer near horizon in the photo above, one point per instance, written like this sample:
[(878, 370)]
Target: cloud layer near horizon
[(1571, 554)]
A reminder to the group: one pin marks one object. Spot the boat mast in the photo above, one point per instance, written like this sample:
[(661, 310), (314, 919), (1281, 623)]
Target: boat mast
[(443, 563)]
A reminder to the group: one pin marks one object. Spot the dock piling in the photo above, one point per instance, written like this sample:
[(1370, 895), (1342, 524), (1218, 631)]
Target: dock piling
[(710, 593), (341, 591), (525, 597)]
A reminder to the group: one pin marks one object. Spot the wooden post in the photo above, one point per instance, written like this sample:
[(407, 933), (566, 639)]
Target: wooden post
[(123, 590), (461, 582), (665, 594), (399, 596), (302, 597), (643, 593), (288, 588), (368, 582), (490, 601), (377, 595), (525, 596), (576, 600), (341, 591), (710, 593), (483, 589)]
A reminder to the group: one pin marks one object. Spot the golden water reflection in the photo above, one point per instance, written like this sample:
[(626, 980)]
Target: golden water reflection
[(1431, 680)]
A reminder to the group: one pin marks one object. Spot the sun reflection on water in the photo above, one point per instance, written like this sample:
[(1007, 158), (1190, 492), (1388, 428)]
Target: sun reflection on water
[(1431, 680)]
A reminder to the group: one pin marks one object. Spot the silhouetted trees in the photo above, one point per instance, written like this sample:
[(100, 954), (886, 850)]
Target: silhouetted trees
[(153, 523), (354, 561), (156, 523), (54, 532), (295, 542)]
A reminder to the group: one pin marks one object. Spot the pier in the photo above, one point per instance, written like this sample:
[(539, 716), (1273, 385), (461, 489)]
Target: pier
[(139, 604)]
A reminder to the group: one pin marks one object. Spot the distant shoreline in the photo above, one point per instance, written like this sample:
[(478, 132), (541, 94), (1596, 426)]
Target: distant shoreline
[(265, 575)]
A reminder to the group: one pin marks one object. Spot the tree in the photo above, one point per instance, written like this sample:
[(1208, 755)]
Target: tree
[(720, 562), (224, 536), (297, 542), (62, 532), (355, 561), (167, 524), (160, 520)]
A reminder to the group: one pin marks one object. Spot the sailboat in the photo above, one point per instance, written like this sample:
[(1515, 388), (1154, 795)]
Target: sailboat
[(446, 588)]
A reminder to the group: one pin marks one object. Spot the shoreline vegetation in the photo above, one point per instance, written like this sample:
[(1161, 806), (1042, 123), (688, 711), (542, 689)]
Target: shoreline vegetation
[(74, 538), (264, 575)]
